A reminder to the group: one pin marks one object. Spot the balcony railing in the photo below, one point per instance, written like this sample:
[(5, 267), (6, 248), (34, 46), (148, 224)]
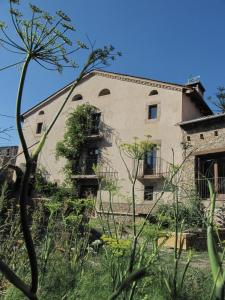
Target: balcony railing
[(86, 169), (218, 184), (157, 169)]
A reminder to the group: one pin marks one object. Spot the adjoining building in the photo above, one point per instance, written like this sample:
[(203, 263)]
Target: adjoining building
[(205, 142), (7, 156), (127, 107)]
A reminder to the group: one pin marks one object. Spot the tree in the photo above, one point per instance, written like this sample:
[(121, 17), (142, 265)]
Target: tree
[(219, 102), (42, 39)]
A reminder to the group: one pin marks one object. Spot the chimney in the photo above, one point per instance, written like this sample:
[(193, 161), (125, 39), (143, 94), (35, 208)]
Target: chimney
[(197, 85)]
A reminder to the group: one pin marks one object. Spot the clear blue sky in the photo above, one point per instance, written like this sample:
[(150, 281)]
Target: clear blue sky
[(167, 40)]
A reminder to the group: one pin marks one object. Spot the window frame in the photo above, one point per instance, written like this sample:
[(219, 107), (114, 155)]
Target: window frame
[(153, 92), (152, 106), (77, 97), (104, 92), (147, 193), (39, 128)]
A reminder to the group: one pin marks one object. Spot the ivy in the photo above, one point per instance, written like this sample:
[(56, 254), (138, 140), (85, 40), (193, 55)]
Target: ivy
[(78, 126)]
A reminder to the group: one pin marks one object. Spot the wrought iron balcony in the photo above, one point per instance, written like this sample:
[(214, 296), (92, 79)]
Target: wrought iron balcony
[(95, 127), (84, 169), (218, 184), (154, 169)]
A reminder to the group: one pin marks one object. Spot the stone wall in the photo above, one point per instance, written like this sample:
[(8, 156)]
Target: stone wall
[(199, 139)]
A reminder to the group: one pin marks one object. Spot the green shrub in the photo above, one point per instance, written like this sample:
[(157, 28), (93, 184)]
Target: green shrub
[(191, 214)]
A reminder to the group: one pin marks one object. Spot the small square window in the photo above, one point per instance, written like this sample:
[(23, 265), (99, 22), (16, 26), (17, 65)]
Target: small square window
[(148, 193), (39, 128), (152, 112)]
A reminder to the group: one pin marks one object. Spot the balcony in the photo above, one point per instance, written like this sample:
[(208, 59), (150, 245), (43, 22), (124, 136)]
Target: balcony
[(84, 169), (94, 132), (153, 169), (217, 182)]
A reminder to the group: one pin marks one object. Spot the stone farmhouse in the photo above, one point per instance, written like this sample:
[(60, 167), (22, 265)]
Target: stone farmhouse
[(174, 115)]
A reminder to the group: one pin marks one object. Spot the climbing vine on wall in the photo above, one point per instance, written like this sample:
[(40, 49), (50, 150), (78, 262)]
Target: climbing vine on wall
[(78, 127)]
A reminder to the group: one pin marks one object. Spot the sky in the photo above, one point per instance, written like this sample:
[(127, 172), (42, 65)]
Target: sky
[(168, 40)]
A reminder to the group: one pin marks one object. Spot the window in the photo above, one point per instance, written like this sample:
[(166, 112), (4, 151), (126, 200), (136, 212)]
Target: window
[(150, 162), (152, 112), (153, 92), (104, 92), (77, 97), (91, 161), (95, 123), (148, 193), (88, 191), (41, 113), (39, 128)]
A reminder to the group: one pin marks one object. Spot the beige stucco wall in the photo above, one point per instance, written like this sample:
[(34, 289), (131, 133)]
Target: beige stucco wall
[(125, 112), (190, 110)]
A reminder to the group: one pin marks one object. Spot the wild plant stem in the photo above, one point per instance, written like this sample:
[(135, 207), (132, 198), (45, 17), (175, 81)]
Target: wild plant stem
[(23, 199), (113, 217), (18, 107), (135, 238), (23, 194)]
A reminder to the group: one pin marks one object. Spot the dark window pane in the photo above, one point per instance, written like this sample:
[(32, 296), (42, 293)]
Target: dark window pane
[(150, 162), (148, 193), (39, 128), (104, 92), (152, 112), (88, 191), (95, 123)]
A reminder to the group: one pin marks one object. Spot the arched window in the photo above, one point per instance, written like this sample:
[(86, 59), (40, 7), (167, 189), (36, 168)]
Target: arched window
[(104, 92), (41, 112), (153, 92), (77, 97)]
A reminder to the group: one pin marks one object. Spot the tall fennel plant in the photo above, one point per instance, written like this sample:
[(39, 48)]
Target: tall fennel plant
[(174, 277), (136, 151), (215, 259), (41, 39)]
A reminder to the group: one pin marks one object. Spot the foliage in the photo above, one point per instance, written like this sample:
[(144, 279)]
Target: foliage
[(215, 259), (138, 148), (74, 267), (41, 39), (219, 102), (191, 214), (78, 125), (42, 186)]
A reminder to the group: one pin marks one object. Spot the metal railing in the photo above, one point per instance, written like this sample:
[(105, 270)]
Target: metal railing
[(94, 129), (84, 167), (93, 167), (158, 167), (203, 189)]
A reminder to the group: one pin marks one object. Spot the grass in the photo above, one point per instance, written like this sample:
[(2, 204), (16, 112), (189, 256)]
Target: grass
[(94, 274)]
